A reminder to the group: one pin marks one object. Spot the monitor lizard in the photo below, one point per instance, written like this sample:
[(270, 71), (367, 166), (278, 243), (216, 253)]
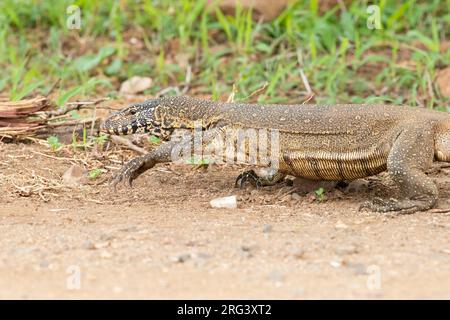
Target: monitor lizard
[(321, 142)]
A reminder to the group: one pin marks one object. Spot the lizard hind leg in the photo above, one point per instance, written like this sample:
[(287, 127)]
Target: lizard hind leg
[(411, 154), (259, 178)]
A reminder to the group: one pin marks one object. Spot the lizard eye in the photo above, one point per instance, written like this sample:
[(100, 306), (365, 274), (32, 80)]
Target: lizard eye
[(132, 112)]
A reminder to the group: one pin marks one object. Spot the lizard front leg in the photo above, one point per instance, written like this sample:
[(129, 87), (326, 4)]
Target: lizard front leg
[(411, 154), (136, 166), (166, 152)]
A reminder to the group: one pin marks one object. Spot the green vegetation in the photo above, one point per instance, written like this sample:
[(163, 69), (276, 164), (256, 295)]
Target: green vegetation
[(198, 161), (54, 144), (320, 194), (95, 173), (154, 140), (343, 60)]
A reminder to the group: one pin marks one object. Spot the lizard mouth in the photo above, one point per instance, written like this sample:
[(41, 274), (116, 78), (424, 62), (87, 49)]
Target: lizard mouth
[(104, 127), (121, 129)]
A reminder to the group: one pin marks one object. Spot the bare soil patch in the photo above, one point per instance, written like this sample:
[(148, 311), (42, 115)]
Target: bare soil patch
[(161, 239)]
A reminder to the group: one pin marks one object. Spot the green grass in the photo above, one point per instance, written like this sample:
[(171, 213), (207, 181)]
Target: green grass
[(342, 59), (54, 144), (320, 194), (95, 173)]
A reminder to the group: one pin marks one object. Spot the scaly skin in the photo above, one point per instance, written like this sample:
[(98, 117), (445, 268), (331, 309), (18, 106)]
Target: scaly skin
[(322, 142)]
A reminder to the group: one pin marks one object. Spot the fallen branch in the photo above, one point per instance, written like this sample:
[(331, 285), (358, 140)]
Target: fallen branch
[(32, 117), (73, 106), (128, 144)]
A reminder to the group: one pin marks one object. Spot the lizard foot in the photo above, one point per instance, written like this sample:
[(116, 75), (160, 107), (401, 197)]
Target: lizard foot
[(263, 177), (396, 206), (249, 176), (128, 172)]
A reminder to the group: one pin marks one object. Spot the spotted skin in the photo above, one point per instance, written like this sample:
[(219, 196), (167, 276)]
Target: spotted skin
[(321, 142)]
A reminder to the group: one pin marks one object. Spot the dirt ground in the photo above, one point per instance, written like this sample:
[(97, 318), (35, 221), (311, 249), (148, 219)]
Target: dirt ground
[(161, 239)]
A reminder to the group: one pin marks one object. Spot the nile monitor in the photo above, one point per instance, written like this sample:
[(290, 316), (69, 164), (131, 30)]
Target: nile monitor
[(321, 142)]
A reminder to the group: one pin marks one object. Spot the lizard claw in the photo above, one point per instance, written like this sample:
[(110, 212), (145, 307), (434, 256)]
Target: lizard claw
[(250, 176), (128, 173)]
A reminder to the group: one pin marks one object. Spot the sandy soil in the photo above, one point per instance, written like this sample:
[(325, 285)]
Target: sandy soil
[(161, 239)]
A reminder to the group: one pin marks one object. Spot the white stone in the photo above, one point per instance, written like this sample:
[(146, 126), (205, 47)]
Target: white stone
[(225, 202)]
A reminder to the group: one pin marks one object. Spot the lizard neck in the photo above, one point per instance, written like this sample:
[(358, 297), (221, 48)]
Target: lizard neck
[(188, 113)]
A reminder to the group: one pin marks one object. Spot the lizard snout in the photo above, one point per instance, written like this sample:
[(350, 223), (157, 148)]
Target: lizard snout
[(108, 126), (105, 127)]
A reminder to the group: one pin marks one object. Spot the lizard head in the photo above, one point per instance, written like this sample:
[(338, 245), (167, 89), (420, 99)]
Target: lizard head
[(159, 117), (136, 118)]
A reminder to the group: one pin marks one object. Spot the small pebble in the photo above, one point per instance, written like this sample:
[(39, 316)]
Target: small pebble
[(106, 237), (129, 229), (225, 202), (201, 255), (181, 258), (346, 249), (73, 176), (101, 245), (88, 245), (57, 210), (298, 253), (335, 264), (246, 251), (105, 254), (341, 225), (135, 85)]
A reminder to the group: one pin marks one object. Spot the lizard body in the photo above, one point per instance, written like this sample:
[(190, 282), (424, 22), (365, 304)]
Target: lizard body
[(322, 142)]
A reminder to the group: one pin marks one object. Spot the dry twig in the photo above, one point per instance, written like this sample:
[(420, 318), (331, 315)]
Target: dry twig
[(128, 144)]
